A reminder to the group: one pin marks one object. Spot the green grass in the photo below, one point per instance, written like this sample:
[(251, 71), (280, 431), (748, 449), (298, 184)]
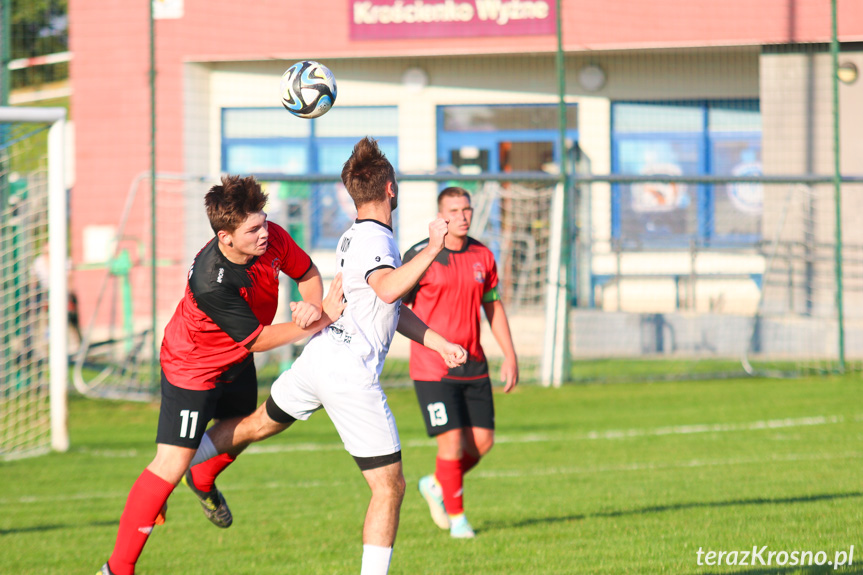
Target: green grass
[(617, 479)]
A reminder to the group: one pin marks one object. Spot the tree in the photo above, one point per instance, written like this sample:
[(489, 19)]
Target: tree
[(38, 28)]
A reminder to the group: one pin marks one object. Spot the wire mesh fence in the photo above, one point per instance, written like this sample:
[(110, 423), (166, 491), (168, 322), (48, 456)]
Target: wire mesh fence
[(701, 233), (24, 345)]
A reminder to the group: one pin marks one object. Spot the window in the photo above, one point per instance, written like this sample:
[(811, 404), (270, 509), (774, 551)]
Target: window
[(502, 138), (497, 139), (265, 141), (721, 138)]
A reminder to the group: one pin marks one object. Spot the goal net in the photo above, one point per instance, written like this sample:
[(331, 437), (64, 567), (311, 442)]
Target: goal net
[(118, 355), (140, 280), (33, 294)]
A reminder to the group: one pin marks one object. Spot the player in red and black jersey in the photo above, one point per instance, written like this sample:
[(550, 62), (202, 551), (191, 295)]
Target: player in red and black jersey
[(208, 371), (227, 304), (457, 402)]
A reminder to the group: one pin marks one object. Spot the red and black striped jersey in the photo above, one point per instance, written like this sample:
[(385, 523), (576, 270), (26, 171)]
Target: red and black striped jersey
[(226, 305), (448, 298)]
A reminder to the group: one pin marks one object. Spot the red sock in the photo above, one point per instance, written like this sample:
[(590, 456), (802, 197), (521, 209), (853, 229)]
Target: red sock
[(449, 475), (146, 498), (468, 462), (204, 474)]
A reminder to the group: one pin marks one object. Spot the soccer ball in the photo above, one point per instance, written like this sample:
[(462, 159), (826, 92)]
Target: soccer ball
[(308, 89)]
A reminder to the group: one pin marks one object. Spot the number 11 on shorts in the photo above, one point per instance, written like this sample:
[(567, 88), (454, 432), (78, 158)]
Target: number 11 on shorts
[(186, 415)]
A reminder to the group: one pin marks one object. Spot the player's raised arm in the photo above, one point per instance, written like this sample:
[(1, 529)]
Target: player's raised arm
[(275, 335), (415, 329), (311, 287), (393, 284)]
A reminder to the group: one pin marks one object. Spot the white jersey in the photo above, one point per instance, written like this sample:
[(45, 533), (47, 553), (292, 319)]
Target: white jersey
[(368, 324), (340, 367)]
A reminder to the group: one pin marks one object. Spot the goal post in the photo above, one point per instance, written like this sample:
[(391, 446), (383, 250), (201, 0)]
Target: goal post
[(33, 387), (556, 306)]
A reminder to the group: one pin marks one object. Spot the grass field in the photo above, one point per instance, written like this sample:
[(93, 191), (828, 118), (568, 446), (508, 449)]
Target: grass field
[(625, 478)]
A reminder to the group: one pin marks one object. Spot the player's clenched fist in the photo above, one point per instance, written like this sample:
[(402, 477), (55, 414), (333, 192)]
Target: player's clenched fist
[(304, 313), (437, 233), (453, 354)]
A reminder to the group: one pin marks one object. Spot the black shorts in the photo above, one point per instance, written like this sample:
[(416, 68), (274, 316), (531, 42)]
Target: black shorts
[(185, 413), (446, 405)]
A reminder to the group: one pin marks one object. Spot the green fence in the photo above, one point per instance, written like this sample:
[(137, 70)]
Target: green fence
[(657, 211)]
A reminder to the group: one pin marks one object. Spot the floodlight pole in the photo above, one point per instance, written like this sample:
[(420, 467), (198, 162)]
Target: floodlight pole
[(5, 56), (154, 361), (5, 79), (5, 51), (837, 189), (563, 365), (555, 340)]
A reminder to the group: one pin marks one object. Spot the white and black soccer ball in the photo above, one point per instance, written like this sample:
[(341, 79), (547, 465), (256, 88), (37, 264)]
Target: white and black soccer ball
[(308, 89)]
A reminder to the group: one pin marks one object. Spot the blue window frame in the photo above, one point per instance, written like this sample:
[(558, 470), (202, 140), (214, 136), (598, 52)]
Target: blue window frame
[(683, 138), (474, 138), (265, 141), (499, 138)]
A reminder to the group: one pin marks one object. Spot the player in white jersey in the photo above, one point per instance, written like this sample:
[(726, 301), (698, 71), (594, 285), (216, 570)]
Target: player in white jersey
[(368, 323), (339, 368)]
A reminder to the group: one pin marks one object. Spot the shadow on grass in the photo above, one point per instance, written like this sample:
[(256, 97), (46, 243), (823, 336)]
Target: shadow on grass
[(43, 528), (676, 507)]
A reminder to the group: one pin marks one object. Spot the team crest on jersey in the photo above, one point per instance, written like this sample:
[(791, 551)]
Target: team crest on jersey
[(338, 333), (277, 263), (478, 273)]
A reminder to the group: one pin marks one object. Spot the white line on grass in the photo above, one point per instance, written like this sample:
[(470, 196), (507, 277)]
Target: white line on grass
[(535, 438), (654, 466), (245, 486), (660, 431), (719, 427)]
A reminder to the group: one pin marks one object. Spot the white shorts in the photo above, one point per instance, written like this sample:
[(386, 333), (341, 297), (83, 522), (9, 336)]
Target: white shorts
[(353, 398)]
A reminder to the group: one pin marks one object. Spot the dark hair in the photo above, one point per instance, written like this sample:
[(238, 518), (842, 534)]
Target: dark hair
[(452, 192), (230, 204), (367, 172)]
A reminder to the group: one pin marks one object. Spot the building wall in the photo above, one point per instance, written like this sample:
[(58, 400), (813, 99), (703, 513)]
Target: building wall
[(798, 138), (216, 43), (520, 79)]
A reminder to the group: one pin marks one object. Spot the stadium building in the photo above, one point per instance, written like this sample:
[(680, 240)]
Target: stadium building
[(668, 88)]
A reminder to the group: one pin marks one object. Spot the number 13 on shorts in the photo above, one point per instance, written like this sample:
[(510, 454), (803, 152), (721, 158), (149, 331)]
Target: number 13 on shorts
[(437, 414)]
